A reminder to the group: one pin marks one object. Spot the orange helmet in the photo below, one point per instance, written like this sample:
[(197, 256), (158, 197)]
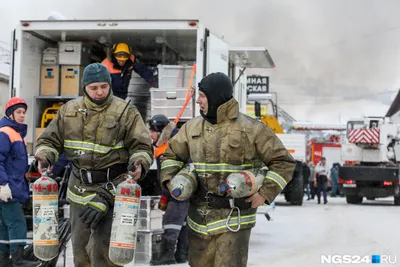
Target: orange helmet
[(12, 102)]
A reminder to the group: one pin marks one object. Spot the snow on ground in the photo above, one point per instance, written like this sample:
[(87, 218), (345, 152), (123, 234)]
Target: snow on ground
[(297, 236)]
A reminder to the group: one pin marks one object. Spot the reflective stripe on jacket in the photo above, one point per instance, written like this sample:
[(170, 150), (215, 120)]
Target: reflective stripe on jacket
[(13, 158), (237, 142), (93, 138)]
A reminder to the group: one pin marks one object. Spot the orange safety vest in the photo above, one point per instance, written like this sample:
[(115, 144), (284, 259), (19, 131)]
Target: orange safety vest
[(160, 150), (110, 65)]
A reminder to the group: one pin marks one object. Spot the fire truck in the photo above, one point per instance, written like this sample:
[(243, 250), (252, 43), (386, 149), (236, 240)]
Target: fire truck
[(373, 143), (328, 146)]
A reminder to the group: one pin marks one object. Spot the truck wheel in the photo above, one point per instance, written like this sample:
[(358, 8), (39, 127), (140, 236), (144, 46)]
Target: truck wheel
[(287, 195), (354, 199), (397, 201), (297, 190)]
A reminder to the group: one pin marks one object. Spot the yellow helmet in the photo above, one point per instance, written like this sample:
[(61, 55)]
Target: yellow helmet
[(121, 51)]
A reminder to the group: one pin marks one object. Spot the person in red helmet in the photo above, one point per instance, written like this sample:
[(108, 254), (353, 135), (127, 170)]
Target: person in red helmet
[(13, 187)]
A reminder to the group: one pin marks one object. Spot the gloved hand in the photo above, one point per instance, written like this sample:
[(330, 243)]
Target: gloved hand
[(163, 204), (43, 164), (94, 211), (135, 170), (5, 193)]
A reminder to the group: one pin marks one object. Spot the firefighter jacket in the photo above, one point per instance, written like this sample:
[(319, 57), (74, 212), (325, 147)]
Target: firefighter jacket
[(237, 142), (92, 137)]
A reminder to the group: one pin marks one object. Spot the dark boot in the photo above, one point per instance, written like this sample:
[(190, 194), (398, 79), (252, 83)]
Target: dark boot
[(168, 254), (18, 261), (5, 259), (181, 254)]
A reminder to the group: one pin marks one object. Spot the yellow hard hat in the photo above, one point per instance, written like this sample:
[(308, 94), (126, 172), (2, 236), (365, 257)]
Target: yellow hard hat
[(121, 51)]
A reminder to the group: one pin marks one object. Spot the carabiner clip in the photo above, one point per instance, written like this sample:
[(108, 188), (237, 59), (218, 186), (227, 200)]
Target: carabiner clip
[(80, 190), (233, 207), (109, 182)]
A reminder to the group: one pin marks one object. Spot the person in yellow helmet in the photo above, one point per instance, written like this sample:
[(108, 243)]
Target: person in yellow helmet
[(121, 65)]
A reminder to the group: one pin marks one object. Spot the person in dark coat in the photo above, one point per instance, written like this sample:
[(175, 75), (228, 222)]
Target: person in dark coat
[(174, 219), (120, 65)]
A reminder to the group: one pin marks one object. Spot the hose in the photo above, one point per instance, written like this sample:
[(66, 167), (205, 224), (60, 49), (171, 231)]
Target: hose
[(64, 231)]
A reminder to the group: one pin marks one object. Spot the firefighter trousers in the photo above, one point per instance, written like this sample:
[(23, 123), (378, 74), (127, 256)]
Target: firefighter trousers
[(90, 247), (174, 222), (12, 227), (224, 250)]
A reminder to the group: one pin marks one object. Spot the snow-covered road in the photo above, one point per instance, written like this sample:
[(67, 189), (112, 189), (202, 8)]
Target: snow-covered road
[(297, 236)]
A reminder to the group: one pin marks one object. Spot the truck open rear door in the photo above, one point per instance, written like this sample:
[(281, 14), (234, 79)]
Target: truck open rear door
[(217, 54)]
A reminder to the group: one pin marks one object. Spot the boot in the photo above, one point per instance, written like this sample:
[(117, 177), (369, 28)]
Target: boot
[(5, 259), (18, 261), (181, 254), (168, 255)]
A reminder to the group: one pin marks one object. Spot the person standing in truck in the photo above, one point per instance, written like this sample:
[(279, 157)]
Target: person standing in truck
[(14, 189), (120, 65), (322, 180), (174, 219), (221, 141), (103, 137)]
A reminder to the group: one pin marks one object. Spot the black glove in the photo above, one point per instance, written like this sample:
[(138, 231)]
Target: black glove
[(95, 210)]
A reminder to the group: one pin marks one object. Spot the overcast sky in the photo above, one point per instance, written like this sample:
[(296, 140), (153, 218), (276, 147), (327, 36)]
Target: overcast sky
[(335, 59)]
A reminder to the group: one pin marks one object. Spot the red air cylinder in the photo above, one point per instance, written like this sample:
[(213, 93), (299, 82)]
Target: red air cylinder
[(125, 219), (45, 218)]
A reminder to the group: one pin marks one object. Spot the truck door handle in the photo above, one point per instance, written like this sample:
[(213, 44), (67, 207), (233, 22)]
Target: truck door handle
[(171, 95)]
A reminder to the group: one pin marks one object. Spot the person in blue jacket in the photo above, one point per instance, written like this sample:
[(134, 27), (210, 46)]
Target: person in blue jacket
[(174, 219), (14, 189), (121, 65)]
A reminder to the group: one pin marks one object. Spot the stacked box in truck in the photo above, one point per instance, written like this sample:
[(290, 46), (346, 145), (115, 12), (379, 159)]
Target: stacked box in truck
[(157, 44)]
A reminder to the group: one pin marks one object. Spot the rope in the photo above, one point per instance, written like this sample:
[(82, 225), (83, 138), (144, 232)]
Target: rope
[(189, 94)]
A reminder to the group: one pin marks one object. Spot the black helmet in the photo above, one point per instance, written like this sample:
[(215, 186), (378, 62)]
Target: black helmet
[(158, 122)]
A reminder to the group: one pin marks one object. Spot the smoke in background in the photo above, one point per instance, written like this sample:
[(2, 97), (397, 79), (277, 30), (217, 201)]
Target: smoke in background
[(335, 59)]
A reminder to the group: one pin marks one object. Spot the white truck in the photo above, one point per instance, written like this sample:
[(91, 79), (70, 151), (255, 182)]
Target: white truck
[(296, 144), (165, 43), (169, 47), (373, 144)]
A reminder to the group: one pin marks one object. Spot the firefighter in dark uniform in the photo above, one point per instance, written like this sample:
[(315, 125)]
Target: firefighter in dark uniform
[(120, 65), (174, 220)]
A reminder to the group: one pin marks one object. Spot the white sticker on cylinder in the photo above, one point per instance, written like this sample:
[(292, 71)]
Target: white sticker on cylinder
[(127, 219), (47, 211)]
